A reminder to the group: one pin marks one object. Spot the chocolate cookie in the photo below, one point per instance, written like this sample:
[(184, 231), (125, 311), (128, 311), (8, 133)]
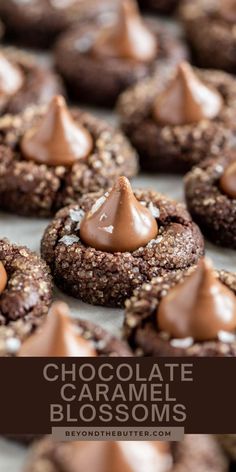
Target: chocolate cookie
[(23, 81), (210, 30), (181, 314), (115, 54), (195, 452), (208, 192), (50, 156), (159, 6), (37, 23), (25, 294), (105, 246), (179, 117)]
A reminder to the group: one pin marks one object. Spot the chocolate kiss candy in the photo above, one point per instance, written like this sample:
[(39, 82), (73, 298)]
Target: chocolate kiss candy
[(11, 77), (199, 307), (57, 337), (3, 277), (186, 100), (129, 39), (228, 180), (57, 140), (118, 222), (120, 456)]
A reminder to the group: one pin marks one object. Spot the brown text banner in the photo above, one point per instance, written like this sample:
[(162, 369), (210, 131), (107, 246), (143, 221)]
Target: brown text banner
[(195, 394)]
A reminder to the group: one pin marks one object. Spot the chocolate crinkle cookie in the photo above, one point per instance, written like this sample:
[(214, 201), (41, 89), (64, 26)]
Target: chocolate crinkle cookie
[(198, 452), (25, 294), (44, 20), (210, 30), (179, 117), (51, 155), (102, 248), (210, 191), (121, 51), (23, 81), (184, 313)]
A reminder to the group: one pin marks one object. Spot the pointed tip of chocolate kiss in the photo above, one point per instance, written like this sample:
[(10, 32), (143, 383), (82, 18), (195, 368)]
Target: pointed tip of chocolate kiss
[(123, 184), (58, 101), (57, 337), (129, 6), (129, 38), (59, 311), (184, 72), (186, 99), (205, 263), (184, 67)]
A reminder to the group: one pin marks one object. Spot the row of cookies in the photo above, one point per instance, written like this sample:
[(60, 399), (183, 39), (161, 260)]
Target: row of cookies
[(120, 49), (208, 24), (106, 246), (41, 170), (46, 20), (175, 119)]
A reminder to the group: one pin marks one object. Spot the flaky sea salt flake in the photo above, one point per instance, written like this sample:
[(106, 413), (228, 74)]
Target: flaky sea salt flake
[(183, 343), (76, 215), (68, 240), (154, 210)]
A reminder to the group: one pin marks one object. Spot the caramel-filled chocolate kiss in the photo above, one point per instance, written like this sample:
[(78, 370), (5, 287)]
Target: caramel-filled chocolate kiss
[(228, 180), (57, 140), (129, 38), (118, 222), (11, 77), (3, 277), (199, 307), (57, 337), (186, 100)]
